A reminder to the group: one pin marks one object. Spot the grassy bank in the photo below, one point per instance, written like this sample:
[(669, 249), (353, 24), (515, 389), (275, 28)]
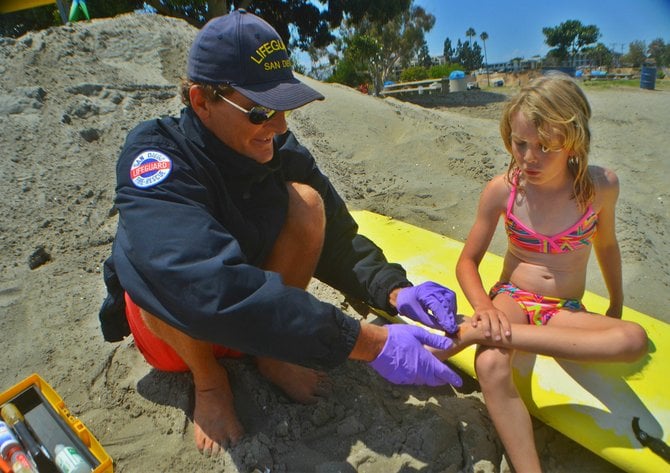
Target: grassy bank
[(662, 85)]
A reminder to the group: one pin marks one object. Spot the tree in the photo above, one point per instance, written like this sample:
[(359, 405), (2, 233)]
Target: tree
[(349, 71), (599, 55), (470, 34), (311, 20), (476, 57), (660, 52), (423, 57), (469, 57), (379, 45), (312, 23), (459, 48), (484, 36), (636, 54), (569, 38), (448, 50)]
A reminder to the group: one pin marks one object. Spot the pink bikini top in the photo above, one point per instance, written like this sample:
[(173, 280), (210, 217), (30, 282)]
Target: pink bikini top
[(577, 236)]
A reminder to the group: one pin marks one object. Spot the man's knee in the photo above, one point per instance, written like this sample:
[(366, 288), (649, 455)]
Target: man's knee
[(306, 208), (304, 198)]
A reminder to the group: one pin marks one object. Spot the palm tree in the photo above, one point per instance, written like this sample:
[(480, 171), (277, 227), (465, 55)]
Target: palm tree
[(470, 33), (484, 36)]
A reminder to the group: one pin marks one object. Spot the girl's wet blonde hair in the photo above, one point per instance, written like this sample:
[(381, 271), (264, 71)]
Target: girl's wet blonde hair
[(557, 106)]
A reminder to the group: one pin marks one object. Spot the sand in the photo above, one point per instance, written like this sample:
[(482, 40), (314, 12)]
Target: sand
[(68, 97)]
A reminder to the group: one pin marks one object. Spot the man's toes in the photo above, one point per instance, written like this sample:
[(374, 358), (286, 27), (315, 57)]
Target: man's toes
[(213, 448), (217, 448)]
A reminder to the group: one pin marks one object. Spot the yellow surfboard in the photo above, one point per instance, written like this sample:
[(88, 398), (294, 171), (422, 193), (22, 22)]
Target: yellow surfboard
[(598, 405)]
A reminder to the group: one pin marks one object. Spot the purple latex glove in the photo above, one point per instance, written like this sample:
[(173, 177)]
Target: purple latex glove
[(405, 360), (431, 304)]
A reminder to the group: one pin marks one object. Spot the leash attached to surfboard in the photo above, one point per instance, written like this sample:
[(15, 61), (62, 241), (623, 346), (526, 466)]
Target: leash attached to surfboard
[(658, 446)]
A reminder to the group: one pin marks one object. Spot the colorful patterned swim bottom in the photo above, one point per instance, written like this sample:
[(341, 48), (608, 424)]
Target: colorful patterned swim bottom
[(539, 309)]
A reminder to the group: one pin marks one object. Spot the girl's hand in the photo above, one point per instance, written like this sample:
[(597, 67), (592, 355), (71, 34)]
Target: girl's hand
[(492, 322)]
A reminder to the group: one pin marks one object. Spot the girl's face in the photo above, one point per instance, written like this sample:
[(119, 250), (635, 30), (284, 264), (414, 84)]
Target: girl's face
[(540, 162)]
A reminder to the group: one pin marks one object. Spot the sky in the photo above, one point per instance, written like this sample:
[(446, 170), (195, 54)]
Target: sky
[(515, 26)]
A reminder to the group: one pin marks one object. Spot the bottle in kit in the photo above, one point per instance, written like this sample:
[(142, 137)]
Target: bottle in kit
[(13, 417), (69, 460), (12, 453), (21, 463)]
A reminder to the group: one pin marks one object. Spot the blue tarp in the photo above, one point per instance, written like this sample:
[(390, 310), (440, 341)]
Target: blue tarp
[(456, 75)]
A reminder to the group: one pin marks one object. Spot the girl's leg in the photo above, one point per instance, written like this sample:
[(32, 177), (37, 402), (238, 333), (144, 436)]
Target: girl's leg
[(506, 408), (594, 337), (577, 336)]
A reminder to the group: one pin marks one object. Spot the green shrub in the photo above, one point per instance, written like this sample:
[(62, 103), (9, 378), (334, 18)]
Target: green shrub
[(443, 70), (346, 73), (414, 73)]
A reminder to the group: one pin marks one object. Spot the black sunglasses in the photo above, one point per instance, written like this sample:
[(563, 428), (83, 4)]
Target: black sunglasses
[(257, 115)]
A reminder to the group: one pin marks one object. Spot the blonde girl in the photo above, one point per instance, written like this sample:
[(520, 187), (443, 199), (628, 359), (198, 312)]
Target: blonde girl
[(555, 207)]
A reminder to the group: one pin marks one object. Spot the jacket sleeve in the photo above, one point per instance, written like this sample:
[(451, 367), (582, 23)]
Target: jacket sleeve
[(178, 262), (350, 262)]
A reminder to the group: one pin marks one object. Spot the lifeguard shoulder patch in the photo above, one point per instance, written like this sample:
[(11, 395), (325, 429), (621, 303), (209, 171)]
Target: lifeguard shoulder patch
[(150, 168)]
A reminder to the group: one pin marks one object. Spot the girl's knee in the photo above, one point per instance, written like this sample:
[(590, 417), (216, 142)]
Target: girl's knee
[(636, 343), (493, 365)]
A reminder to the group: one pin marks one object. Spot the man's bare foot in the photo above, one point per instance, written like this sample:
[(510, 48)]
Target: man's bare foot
[(214, 417), (301, 384)]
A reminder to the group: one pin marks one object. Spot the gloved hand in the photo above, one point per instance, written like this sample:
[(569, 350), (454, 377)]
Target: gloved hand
[(405, 360), (416, 302)]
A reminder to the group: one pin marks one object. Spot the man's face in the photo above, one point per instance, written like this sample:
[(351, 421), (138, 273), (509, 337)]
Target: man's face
[(232, 126)]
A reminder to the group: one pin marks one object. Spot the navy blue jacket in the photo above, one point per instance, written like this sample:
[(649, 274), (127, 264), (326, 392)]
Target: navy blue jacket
[(196, 225)]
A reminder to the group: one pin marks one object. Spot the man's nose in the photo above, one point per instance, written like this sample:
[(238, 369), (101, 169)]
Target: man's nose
[(278, 123)]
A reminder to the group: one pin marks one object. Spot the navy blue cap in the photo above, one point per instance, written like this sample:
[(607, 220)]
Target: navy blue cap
[(245, 52)]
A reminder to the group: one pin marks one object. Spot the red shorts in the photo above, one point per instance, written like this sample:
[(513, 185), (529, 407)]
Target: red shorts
[(159, 354)]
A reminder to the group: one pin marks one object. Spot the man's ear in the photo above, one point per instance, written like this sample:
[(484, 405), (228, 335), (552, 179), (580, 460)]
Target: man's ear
[(199, 103)]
